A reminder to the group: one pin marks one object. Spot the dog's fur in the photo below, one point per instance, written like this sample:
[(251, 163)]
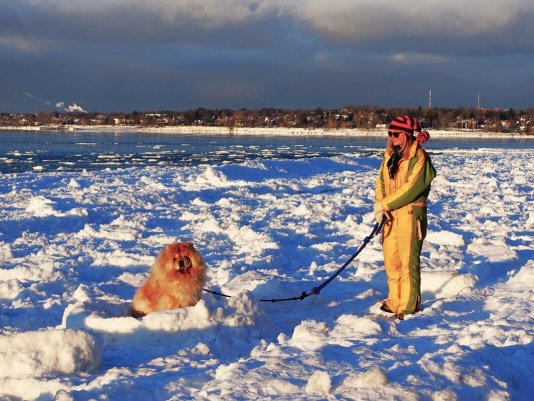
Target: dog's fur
[(175, 281)]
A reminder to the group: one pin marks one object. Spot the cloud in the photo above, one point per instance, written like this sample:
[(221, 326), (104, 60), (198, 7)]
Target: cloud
[(453, 26), (127, 55), (175, 12), (127, 21), (367, 19), (418, 58), (211, 14), (25, 44)]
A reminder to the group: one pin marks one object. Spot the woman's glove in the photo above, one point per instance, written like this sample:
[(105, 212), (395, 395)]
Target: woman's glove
[(379, 211)]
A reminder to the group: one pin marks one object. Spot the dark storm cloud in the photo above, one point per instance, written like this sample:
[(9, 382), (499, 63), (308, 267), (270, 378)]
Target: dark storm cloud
[(125, 55), (132, 22)]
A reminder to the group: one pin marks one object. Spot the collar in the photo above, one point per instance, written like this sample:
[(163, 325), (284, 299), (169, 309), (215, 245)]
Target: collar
[(411, 152)]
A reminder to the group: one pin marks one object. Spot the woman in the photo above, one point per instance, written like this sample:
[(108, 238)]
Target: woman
[(402, 188)]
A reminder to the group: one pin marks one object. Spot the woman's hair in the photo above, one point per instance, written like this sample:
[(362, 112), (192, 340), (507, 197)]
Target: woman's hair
[(409, 141)]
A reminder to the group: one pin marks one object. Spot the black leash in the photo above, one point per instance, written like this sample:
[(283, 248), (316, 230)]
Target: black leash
[(316, 290)]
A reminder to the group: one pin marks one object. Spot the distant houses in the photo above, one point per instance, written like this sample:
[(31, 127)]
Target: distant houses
[(360, 117)]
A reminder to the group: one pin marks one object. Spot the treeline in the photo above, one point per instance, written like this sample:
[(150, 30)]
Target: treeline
[(362, 117)]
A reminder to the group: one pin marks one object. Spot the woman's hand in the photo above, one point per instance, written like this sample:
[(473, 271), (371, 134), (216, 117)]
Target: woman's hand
[(379, 211)]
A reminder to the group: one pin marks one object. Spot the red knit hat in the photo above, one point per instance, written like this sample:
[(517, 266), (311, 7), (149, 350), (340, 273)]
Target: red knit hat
[(405, 123), (410, 125)]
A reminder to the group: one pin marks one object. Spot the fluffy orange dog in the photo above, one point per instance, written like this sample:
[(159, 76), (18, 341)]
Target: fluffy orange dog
[(176, 281)]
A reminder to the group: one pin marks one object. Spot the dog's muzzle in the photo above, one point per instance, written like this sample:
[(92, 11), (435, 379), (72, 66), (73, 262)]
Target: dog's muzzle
[(183, 264)]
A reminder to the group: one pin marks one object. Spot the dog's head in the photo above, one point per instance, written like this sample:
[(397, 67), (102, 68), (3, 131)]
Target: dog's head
[(182, 257)]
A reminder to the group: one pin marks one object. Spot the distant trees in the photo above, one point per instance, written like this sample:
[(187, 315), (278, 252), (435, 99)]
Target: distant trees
[(361, 117)]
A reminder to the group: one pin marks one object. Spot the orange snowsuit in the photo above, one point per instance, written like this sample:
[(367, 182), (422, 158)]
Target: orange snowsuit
[(403, 198)]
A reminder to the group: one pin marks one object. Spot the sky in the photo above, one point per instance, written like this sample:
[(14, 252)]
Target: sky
[(127, 55)]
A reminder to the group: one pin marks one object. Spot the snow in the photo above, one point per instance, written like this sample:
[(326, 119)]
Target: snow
[(445, 238), (276, 131), (74, 247), (319, 383), (374, 377), (48, 352)]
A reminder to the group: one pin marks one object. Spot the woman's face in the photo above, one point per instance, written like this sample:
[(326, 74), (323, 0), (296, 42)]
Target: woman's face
[(398, 138)]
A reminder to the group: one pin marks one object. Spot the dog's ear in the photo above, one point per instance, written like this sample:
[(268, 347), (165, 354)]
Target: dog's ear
[(189, 245)]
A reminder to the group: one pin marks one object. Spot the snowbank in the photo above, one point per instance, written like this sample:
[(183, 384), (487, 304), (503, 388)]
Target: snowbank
[(319, 383), (280, 131), (443, 284), (445, 238), (37, 353)]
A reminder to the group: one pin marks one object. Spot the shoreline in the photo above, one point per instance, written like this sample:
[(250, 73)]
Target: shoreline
[(251, 131)]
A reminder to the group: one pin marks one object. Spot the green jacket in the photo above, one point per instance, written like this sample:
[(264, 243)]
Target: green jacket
[(411, 183)]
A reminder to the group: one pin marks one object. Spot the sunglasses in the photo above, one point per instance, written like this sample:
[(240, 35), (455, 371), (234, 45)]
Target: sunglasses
[(394, 134)]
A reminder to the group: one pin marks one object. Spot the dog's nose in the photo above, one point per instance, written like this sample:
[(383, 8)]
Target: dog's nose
[(184, 263)]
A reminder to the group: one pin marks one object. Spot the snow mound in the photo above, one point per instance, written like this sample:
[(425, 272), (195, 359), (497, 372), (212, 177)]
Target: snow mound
[(10, 289), (354, 327), (243, 311), (171, 321), (5, 251), (443, 284), (209, 178), (495, 250), (73, 184), (37, 353), (63, 395), (444, 395), (40, 206), (120, 229), (240, 310), (246, 240), (319, 383), (247, 281), (309, 335), (445, 238), (46, 272), (524, 277), (530, 221), (374, 377)]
